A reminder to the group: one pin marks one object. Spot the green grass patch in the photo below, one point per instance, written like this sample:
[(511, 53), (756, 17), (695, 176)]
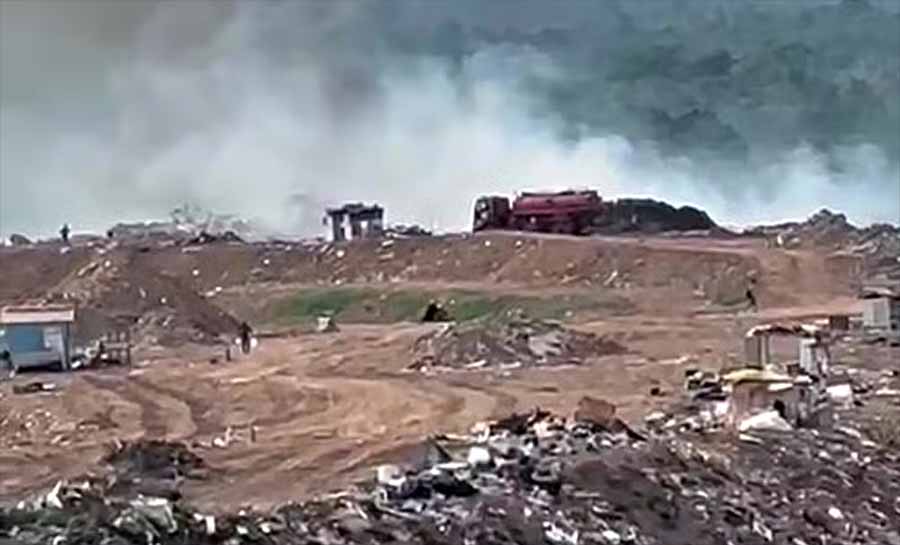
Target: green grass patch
[(370, 305), (314, 303)]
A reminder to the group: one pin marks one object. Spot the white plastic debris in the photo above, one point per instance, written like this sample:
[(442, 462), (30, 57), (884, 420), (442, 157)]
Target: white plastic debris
[(481, 431), (546, 429), (612, 278), (555, 534), (762, 530), (841, 394), (158, 510), (388, 474), (612, 537), (835, 513), (479, 456), (769, 420), (52, 498), (208, 521), (747, 438)]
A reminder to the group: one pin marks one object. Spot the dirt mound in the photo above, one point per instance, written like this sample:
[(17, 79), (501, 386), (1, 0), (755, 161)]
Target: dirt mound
[(650, 216), (127, 289), (513, 343)]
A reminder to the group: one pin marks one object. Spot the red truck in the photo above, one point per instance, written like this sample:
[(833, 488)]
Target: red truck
[(584, 212), (572, 212)]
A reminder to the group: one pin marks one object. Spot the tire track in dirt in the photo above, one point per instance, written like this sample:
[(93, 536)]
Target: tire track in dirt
[(200, 414), (290, 404), (153, 421)]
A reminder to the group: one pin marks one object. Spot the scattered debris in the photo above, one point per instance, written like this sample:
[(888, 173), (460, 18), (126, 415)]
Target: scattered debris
[(406, 231), (516, 342), (33, 388), (209, 238), (530, 478), (768, 420)]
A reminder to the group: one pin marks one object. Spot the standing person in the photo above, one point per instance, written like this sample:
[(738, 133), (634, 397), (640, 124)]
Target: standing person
[(751, 297), (246, 332), (64, 233)]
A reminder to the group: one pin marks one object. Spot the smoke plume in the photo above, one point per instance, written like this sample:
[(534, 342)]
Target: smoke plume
[(123, 110)]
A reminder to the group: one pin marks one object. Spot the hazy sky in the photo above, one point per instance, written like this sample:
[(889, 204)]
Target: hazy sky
[(753, 111)]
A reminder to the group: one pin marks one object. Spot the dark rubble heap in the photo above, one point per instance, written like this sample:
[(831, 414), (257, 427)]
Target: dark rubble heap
[(508, 343), (535, 479)]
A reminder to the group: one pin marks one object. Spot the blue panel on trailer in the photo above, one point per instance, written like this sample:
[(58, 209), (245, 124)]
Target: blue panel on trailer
[(37, 344), (24, 338)]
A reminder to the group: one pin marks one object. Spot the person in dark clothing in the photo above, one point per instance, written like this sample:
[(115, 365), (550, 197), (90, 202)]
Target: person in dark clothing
[(245, 332), (751, 298), (64, 233), (435, 312)]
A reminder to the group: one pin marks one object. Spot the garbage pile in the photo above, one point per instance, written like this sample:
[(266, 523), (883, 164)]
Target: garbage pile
[(539, 478), (877, 244), (824, 228), (188, 224), (508, 344), (406, 231)]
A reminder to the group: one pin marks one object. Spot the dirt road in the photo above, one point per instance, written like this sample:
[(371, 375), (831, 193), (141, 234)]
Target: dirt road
[(325, 407)]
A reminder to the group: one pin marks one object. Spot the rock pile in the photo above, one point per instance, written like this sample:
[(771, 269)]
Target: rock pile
[(511, 343)]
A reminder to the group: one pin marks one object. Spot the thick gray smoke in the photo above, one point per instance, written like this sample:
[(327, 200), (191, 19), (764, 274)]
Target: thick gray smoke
[(123, 110)]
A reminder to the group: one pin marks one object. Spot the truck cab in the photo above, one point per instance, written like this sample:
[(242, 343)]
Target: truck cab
[(491, 212)]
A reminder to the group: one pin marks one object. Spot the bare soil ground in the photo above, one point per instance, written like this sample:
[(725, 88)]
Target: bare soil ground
[(327, 407)]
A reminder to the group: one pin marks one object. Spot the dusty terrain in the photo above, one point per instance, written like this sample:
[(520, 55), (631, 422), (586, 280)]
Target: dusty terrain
[(308, 412)]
